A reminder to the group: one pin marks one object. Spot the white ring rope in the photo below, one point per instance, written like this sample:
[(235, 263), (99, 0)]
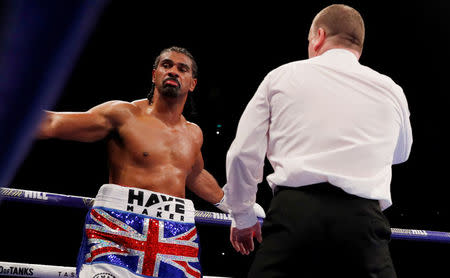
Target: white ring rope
[(35, 270), (42, 271)]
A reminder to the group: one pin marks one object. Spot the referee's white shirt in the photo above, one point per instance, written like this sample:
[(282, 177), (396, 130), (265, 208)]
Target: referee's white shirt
[(324, 119)]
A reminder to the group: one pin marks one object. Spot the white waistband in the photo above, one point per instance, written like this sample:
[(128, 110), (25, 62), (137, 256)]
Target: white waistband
[(145, 202)]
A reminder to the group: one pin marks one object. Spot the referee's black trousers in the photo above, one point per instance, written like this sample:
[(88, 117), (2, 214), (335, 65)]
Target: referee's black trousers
[(321, 231)]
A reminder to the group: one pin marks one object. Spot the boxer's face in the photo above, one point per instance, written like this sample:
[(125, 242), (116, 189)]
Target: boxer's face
[(173, 75)]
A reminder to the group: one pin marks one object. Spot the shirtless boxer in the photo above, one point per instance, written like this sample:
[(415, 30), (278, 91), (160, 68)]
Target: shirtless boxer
[(154, 153)]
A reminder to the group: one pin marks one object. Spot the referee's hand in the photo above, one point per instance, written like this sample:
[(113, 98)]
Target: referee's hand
[(242, 239)]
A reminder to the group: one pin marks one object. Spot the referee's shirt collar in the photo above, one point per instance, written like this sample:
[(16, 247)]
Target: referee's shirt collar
[(341, 52)]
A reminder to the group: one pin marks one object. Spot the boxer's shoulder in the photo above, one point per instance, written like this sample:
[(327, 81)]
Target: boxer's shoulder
[(116, 111), (195, 131), (140, 103)]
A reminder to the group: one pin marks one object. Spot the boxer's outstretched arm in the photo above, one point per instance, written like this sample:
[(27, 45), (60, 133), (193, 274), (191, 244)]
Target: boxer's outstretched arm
[(203, 184), (90, 126)]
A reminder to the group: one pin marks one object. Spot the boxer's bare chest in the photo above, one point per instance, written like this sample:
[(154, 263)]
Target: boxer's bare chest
[(148, 142)]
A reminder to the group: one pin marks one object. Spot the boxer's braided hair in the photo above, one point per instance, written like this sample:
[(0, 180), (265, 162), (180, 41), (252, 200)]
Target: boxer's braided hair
[(157, 60)]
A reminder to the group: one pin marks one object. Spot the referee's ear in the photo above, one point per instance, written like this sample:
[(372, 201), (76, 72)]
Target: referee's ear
[(319, 40)]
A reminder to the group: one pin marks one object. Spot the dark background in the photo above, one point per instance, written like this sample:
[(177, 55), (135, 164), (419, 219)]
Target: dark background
[(236, 45)]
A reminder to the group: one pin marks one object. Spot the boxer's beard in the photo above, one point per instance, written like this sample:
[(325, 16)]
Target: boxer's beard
[(170, 91)]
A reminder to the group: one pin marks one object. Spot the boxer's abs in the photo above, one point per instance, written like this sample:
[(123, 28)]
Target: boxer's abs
[(165, 179)]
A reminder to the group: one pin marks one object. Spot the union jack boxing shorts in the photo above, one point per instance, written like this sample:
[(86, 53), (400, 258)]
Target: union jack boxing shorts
[(132, 232)]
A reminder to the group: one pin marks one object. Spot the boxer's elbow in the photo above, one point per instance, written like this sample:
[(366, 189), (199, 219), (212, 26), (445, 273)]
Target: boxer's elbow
[(48, 126)]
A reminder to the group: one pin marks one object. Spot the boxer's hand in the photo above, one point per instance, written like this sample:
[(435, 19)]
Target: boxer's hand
[(259, 211)]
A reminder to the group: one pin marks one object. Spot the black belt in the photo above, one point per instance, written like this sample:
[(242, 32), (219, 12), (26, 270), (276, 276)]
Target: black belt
[(323, 187)]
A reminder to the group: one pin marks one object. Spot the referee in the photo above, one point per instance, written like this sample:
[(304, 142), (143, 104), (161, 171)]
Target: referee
[(331, 129)]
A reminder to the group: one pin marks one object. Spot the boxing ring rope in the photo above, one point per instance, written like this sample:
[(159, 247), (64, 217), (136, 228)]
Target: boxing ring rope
[(35, 270), (201, 217), (42, 271), (38, 197)]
